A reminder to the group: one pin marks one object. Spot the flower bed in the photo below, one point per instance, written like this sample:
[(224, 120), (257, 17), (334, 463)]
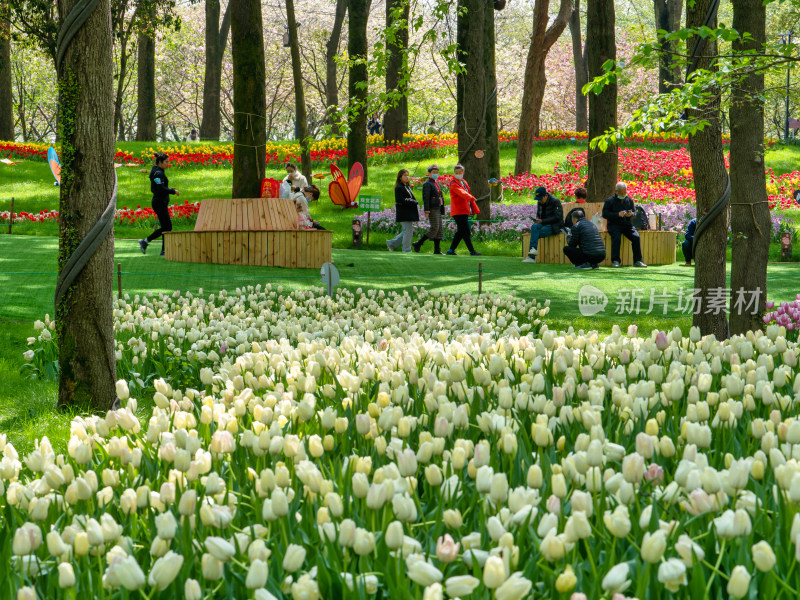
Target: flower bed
[(509, 220), (185, 213), (412, 446)]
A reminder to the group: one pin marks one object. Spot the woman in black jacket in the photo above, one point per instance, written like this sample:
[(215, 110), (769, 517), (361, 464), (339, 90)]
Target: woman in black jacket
[(407, 212), (159, 186), (433, 201)]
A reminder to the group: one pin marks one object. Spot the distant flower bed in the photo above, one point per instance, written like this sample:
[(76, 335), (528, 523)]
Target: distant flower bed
[(124, 216)]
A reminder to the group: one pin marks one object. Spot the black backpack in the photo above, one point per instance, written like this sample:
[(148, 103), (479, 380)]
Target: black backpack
[(641, 222)]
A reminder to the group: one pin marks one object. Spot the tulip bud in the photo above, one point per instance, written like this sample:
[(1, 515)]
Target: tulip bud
[(739, 583), (493, 572)]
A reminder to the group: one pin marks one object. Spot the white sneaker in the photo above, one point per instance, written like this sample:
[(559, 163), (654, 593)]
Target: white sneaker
[(533, 252), (640, 264), (530, 259), (615, 264)]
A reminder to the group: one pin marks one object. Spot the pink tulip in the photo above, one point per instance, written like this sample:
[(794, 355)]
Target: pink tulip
[(447, 549), (661, 341)]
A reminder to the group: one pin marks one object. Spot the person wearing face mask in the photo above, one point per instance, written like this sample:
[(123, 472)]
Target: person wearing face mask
[(406, 212), (462, 204), (549, 220), (294, 181), (433, 201), (618, 212)]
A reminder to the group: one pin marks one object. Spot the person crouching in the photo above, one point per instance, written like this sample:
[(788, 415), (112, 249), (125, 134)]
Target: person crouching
[(585, 248)]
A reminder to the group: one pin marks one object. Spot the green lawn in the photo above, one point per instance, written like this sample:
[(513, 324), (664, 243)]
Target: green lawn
[(27, 283), (28, 264)]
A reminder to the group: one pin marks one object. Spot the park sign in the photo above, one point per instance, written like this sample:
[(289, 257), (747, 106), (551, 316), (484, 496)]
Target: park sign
[(369, 203)]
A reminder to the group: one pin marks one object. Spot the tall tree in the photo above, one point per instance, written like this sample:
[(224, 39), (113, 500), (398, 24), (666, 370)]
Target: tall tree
[(249, 98), (146, 88), (490, 64), (542, 39), (474, 92), (581, 68), (395, 121), (299, 93), (6, 98), (710, 183), (600, 47), (84, 319), (216, 41), (750, 215), (668, 18), (357, 83), (331, 50)]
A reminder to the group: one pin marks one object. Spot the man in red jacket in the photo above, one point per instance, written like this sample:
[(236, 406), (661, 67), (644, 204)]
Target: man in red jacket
[(462, 204)]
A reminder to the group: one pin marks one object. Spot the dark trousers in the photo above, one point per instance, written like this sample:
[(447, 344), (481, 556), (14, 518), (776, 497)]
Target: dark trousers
[(686, 246), (462, 233), (577, 257), (164, 222), (616, 233)]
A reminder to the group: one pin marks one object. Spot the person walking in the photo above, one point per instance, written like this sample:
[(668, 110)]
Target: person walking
[(433, 201), (585, 248), (462, 204), (686, 245), (618, 212), (406, 212), (549, 220), (159, 187)]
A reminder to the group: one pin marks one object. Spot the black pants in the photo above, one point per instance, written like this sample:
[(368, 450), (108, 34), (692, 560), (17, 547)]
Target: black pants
[(577, 257), (462, 233), (686, 246), (164, 222), (616, 232)]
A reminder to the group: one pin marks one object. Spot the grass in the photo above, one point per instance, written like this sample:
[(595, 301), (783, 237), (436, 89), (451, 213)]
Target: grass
[(28, 270), (28, 273)]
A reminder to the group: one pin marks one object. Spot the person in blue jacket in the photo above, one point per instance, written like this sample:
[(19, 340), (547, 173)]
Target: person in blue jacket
[(159, 186), (686, 245)]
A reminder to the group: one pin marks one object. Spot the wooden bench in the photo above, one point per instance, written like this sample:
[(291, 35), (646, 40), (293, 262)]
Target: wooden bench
[(299, 249), (249, 231), (658, 248), (247, 214)]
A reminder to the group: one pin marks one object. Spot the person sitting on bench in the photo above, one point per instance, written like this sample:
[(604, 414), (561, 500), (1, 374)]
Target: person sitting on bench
[(585, 248), (618, 211), (686, 245), (549, 220)]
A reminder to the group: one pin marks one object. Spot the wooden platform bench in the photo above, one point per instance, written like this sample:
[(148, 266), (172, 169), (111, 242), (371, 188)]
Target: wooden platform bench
[(299, 249), (658, 248), (249, 231)]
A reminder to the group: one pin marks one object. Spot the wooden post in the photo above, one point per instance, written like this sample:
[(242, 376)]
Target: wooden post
[(369, 214), (11, 216), (480, 278), (119, 281)]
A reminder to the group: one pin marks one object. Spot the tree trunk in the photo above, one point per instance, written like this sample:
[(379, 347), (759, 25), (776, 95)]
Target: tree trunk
[(581, 68), (123, 70), (146, 89), (668, 18), (6, 98), (249, 98), (600, 47), (84, 319), (490, 65), (331, 82), (471, 120), (542, 40), (357, 83), (750, 215), (299, 94), (395, 122), (710, 182), (216, 41)]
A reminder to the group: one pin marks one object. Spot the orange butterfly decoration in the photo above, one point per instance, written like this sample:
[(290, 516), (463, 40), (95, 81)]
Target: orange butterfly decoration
[(343, 192)]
